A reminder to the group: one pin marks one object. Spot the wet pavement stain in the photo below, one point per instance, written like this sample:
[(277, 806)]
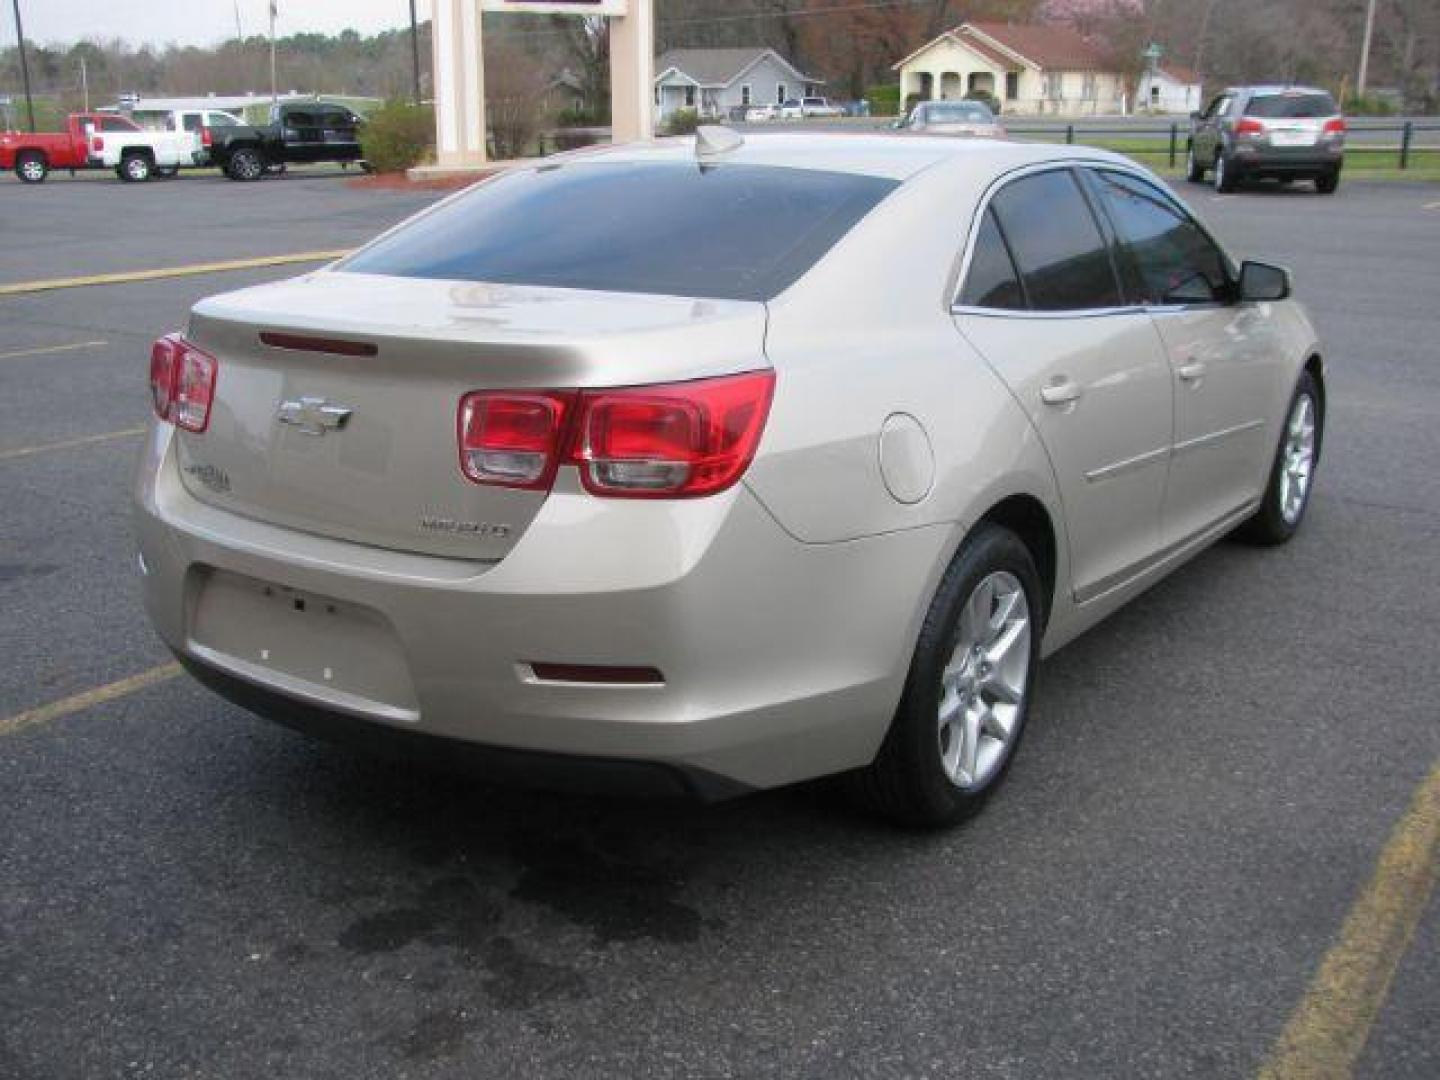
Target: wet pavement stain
[(618, 900)]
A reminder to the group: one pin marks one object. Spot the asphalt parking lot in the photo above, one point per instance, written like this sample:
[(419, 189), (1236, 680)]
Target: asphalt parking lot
[(1205, 789)]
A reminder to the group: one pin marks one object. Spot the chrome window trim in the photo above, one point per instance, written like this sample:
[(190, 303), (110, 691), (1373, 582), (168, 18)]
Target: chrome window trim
[(967, 253)]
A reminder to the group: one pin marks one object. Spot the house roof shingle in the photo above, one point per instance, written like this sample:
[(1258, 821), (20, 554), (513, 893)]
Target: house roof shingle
[(718, 67), (1054, 48)]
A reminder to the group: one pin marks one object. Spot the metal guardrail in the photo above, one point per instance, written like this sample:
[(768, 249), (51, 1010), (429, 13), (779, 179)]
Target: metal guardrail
[(1175, 137)]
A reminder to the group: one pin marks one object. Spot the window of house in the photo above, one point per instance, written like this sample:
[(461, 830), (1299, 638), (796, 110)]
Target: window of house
[(1089, 91), (1012, 85), (689, 97), (780, 94), (1063, 259), (745, 94)]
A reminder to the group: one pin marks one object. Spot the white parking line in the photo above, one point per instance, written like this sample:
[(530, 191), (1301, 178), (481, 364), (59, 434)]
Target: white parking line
[(68, 444), (46, 350)]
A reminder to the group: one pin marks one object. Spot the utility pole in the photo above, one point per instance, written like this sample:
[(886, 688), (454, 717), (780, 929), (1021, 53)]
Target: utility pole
[(1365, 51), (24, 65), (85, 83), (274, 83), (415, 49)]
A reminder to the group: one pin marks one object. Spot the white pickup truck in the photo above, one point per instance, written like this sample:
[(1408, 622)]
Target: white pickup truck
[(138, 155)]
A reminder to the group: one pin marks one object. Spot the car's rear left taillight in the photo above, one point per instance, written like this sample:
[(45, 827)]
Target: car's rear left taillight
[(678, 441), (182, 382), (513, 439), (1248, 125), (206, 138)]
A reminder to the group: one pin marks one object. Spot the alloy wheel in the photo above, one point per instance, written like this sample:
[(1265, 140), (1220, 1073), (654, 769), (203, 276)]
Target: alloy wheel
[(32, 170), (983, 687), (1298, 459)]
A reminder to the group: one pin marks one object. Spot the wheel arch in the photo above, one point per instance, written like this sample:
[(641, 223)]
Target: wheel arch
[(138, 151), (1029, 519), (1314, 366)]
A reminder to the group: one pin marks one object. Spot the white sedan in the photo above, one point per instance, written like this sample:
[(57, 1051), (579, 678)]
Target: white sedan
[(721, 478)]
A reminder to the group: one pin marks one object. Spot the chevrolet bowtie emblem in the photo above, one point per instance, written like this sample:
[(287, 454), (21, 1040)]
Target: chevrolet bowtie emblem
[(313, 415)]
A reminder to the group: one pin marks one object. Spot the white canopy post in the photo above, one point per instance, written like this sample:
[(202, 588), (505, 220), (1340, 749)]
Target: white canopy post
[(632, 73)]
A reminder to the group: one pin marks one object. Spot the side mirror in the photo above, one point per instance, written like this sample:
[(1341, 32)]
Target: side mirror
[(1261, 281)]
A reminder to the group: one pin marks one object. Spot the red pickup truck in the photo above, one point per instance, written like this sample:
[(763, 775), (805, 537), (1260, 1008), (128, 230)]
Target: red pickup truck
[(32, 155)]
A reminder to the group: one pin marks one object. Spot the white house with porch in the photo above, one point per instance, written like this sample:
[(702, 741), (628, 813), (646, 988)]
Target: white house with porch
[(1031, 69), (715, 81)]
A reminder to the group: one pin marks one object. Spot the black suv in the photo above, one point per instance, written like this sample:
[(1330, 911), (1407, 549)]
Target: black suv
[(302, 131), (1285, 132)]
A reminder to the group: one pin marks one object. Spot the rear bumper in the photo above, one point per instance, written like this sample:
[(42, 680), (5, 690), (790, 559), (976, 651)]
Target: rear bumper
[(516, 768), (781, 661), (1306, 161)]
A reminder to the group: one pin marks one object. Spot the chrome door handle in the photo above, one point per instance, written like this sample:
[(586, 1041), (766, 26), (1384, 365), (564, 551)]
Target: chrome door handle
[(1061, 392), (1192, 372)]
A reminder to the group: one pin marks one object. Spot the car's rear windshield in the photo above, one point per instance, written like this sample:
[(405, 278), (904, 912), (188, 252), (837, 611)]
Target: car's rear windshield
[(958, 114), (725, 232), (1291, 105)]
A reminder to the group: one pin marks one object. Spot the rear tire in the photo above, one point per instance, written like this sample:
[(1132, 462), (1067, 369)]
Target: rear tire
[(245, 165), (135, 168), (1327, 183), (32, 167), (1283, 509), (969, 680)]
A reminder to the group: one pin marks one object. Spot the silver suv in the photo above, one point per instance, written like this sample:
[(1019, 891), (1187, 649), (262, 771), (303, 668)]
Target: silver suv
[(1284, 132)]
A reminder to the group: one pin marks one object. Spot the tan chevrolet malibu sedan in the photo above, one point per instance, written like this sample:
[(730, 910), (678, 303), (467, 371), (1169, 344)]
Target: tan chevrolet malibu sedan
[(709, 466)]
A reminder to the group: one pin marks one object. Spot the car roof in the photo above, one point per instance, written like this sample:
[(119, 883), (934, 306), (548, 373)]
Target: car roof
[(892, 156), (1266, 89)]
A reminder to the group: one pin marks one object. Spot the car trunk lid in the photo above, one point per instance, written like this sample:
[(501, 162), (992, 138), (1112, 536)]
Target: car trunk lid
[(337, 393)]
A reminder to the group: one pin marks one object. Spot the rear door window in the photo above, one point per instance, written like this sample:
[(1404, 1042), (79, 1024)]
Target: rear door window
[(991, 281), (1167, 257), (193, 121), (1292, 106), (1063, 259), (736, 232)]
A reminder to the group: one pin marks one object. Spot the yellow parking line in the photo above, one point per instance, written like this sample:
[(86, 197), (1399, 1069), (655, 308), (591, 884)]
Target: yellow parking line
[(47, 284), (101, 694), (68, 444), (46, 350), (1327, 1032)]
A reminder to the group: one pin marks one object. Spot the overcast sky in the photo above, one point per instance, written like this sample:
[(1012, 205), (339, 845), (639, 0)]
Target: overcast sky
[(197, 22)]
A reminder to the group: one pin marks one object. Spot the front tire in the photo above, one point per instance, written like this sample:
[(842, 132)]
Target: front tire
[(1292, 474), (1194, 171), (31, 167), (1224, 174), (1327, 183), (245, 165), (968, 691)]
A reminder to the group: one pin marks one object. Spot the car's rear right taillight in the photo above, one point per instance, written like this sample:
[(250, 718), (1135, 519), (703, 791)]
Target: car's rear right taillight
[(678, 441), (672, 441), (1248, 125), (97, 144), (182, 382), (1335, 126)]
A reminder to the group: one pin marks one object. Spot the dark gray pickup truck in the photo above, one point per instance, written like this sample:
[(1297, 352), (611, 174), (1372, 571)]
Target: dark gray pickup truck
[(302, 131)]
